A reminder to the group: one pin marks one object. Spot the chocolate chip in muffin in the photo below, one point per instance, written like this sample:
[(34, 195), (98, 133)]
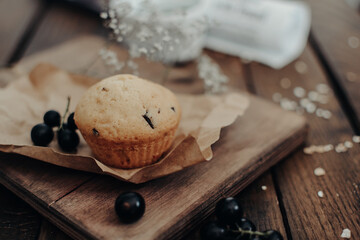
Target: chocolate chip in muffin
[(172, 108), (159, 111), (148, 120), (95, 132), (104, 89)]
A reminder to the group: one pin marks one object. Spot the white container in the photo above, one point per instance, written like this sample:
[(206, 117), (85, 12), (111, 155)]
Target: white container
[(272, 32)]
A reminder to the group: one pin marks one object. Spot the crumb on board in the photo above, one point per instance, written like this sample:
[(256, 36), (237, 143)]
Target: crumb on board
[(340, 148), (353, 42), (285, 83), (307, 101), (319, 172), (276, 97), (320, 194), (323, 88), (348, 144), (301, 67), (346, 233), (318, 149), (299, 92), (356, 139)]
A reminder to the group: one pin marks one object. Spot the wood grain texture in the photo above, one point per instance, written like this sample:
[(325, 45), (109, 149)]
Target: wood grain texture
[(334, 25), (63, 23), (16, 16), (56, 28), (17, 219), (259, 206), (309, 216), (255, 154), (174, 201), (19, 172), (49, 232)]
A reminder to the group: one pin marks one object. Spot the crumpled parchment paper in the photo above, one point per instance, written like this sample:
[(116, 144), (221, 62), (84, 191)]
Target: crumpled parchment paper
[(24, 101)]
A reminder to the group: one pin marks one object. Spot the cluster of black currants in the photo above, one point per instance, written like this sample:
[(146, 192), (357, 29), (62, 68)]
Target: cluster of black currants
[(231, 225), (42, 134)]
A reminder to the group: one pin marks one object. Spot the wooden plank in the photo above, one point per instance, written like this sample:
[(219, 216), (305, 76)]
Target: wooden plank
[(260, 207), (336, 32), (232, 69), (88, 212), (49, 231), (47, 35), (62, 23), (17, 219), (45, 184), (74, 233), (72, 24), (309, 216), (18, 171), (16, 17), (54, 215), (241, 155), (56, 29)]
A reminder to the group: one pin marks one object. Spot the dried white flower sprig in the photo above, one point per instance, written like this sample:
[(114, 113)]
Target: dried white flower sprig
[(156, 29), (161, 32), (110, 59), (210, 72)]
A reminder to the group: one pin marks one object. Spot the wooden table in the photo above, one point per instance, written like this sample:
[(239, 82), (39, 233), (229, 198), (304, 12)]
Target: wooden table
[(291, 203)]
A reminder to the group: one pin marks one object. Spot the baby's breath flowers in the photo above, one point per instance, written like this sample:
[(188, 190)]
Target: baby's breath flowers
[(165, 31), (214, 79), (110, 59)]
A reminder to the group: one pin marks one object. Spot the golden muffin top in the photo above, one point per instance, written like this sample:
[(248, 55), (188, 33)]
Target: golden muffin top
[(126, 107)]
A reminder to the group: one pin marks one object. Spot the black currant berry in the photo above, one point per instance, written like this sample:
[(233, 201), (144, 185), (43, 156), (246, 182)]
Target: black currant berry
[(273, 235), (71, 123), (213, 231), (42, 134), (52, 118), (228, 210), (246, 225), (68, 139), (130, 207)]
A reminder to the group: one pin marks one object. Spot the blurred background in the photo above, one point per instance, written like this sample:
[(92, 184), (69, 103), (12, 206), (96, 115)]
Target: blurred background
[(331, 56)]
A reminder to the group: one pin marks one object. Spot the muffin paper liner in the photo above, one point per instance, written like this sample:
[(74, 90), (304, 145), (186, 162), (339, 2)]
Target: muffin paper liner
[(24, 101)]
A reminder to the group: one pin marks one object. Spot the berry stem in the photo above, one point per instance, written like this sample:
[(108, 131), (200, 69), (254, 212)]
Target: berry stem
[(66, 112), (240, 230), (249, 232)]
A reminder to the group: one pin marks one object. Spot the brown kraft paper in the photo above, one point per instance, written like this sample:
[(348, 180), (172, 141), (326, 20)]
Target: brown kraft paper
[(24, 101)]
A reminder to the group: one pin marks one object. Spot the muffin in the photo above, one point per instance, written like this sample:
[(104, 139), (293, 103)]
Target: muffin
[(128, 122)]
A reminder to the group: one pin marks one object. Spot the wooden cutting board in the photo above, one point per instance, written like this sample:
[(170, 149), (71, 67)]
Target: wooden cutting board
[(82, 204)]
